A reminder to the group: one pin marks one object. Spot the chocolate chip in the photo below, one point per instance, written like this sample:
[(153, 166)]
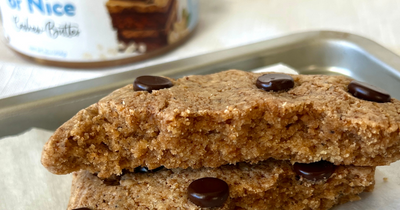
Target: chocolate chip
[(315, 171), (150, 83), (368, 92), (146, 170), (208, 192), (275, 82)]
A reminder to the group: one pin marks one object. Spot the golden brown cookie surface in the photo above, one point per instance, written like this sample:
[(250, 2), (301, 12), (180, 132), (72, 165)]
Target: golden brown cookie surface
[(224, 118)]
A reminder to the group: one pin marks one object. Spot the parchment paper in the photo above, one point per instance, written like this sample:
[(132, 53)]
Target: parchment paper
[(25, 184)]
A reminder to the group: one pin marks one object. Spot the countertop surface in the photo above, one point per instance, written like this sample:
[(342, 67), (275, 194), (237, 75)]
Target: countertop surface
[(225, 24)]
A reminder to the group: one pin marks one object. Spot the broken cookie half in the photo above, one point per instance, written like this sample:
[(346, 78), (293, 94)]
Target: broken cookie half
[(226, 118)]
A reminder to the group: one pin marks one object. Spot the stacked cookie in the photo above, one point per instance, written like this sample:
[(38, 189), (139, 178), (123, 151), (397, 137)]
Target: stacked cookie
[(230, 140)]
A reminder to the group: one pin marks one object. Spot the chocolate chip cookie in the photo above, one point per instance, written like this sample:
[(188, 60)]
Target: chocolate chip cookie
[(226, 118), (270, 184)]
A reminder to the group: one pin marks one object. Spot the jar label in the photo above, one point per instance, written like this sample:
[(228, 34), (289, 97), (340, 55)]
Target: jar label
[(95, 30)]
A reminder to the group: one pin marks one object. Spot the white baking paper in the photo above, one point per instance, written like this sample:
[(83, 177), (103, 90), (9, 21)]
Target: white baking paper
[(24, 183)]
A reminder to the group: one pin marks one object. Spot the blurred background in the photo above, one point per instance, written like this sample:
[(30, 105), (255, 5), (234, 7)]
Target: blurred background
[(222, 25)]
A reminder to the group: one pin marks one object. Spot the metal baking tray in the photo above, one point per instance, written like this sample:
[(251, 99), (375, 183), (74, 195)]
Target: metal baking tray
[(318, 52)]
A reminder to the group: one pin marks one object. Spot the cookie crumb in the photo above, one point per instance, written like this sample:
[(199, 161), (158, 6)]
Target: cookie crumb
[(385, 179)]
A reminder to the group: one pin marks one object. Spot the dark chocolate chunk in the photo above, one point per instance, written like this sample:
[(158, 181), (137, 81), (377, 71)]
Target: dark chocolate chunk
[(208, 192), (150, 83), (275, 82), (146, 170), (314, 171), (368, 92)]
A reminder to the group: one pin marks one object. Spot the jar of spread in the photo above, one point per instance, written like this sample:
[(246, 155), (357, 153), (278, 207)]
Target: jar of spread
[(96, 33)]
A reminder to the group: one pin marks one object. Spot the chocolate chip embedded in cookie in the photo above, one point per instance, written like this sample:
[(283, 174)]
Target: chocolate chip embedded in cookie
[(208, 192), (368, 92), (275, 82), (314, 171), (150, 83)]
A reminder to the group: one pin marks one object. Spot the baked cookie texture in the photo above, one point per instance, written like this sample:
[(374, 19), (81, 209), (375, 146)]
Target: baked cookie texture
[(268, 185), (223, 118)]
